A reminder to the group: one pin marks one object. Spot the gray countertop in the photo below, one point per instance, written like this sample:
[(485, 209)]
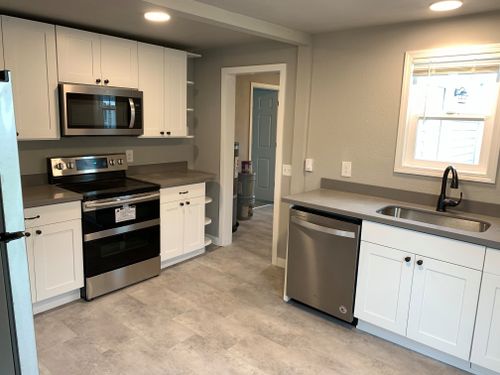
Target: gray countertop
[(365, 207), (174, 178), (43, 195)]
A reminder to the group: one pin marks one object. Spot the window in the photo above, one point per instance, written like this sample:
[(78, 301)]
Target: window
[(448, 107)]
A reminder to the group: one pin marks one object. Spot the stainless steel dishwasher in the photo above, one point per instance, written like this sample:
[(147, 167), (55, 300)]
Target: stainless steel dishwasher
[(322, 261)]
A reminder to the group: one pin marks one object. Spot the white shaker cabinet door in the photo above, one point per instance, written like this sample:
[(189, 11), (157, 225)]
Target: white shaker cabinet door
[(172, 230), (194, 224), (486, 346), (78, 56), (30, 54), (384, 287), (119, 65), (58, 258), (175, 92), (443, 306), (151, 83)]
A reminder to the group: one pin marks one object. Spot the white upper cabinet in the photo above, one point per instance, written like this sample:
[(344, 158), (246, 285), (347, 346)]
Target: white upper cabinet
[(78, 56), (119, 62), (175, 92), (443, 306), (152, 85), (30, 53), (90, 58), (384, 287)]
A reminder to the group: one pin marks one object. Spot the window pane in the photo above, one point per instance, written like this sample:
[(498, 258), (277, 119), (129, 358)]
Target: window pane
[(452, 141), (463, 93)]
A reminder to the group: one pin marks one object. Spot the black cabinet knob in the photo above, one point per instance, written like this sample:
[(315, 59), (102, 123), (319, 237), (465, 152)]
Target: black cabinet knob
[(17, 134), (408, 259), (420, 262), (106, 81), (188, 203), (162, 133), (182, 204), (27, 234), (168, 133), (98, 80), (38, 231)]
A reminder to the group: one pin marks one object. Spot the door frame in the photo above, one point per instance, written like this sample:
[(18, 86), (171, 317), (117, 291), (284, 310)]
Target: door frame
[(257, 85), (228, 94)]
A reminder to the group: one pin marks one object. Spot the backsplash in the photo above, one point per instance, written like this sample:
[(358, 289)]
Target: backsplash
[(33, 154)]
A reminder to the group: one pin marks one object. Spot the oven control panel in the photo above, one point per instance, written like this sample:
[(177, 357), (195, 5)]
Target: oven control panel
[(78, 165)]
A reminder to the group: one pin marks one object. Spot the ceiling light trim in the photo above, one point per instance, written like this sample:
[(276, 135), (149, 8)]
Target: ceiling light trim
[(446, 5)]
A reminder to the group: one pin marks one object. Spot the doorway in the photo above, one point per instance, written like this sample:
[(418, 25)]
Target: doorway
[(262, 149), (228, 105)]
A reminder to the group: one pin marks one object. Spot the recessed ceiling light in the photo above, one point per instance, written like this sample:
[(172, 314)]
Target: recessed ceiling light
[(443, 6), (157, 16)]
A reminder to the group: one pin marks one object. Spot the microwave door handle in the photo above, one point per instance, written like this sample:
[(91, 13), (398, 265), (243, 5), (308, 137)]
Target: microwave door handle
[(132, 113)]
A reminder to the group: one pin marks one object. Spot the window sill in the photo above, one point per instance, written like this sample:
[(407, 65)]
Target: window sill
[(430, 172)]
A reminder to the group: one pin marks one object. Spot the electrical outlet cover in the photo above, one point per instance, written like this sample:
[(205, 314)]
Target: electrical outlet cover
[(287, 170), (130, 156), (346, 169), (309, 165)]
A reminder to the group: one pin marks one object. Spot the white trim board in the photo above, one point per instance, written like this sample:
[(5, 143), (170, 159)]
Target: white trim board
[(256, 85), (213, 15), (228, 94)]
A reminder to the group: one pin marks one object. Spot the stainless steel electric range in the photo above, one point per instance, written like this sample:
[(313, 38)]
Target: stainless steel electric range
[(120, 220)]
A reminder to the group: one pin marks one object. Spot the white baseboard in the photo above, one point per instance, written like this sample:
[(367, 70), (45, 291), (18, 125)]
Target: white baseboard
[(181, 258), (417, 347), (280, 262), (215, 240), (51, 303)]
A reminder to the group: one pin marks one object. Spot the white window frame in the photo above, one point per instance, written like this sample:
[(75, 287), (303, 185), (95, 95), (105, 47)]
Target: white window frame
[(405, 162)]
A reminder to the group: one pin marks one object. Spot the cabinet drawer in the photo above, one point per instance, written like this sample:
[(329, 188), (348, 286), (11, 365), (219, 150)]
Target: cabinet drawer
[(182, 192), (492, 262), (427, 245), (55, 213)]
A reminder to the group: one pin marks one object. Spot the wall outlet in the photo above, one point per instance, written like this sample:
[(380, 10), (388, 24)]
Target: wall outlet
[(346, 169), (130, 156), (309, 165), (287, 170)]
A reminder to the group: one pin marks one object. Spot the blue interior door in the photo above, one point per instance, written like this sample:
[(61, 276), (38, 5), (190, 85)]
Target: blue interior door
[(264, 113)]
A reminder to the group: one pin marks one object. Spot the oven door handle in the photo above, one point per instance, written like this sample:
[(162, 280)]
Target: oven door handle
[(132, 113), (107, 203), (120, 230)]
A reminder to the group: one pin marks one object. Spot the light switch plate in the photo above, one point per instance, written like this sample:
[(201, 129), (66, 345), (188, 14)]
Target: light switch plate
[(346, 169), (287, 170), (309, 165), (130, 156)]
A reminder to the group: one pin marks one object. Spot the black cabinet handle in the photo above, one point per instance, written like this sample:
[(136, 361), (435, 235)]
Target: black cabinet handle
[(408, 259), (420, 262), (182, 204), (106, 81), (38, 231), (183, 192), (17, 134), (32, 218)]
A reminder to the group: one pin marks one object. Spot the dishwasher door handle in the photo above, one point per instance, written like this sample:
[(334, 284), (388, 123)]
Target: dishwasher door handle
[(320, 228)]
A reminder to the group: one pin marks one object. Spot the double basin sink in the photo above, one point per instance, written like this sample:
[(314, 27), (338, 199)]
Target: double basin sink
[(436, 218)]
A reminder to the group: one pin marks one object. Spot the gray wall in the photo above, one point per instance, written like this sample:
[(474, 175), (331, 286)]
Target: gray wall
[(33, 154), (356, 89), (207, 101), (243, 94)]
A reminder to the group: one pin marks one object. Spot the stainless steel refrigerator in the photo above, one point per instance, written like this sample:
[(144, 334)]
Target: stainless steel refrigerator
[(17, 334)]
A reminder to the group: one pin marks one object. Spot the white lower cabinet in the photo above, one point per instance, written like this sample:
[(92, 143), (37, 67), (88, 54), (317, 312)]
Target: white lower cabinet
[(486, 345), (429, 301), (384, 287), (182, 218), (443, 306), (55, 254)]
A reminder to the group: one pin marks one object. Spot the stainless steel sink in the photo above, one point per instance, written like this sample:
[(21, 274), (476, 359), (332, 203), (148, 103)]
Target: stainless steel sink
[(436, 218)]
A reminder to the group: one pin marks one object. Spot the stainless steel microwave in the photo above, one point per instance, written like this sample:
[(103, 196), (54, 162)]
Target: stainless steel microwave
[(97, 110)]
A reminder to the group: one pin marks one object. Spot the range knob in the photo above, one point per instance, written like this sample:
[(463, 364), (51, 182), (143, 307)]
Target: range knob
[(120, 161), (59, 166), (111, 162)]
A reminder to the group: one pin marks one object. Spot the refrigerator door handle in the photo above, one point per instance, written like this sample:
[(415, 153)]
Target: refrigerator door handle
[(7, 237)]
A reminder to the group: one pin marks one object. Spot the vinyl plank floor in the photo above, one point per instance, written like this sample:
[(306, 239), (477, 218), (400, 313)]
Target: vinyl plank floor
[(220, 313)]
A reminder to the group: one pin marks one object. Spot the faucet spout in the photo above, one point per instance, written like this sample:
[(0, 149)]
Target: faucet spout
[(443, 201)]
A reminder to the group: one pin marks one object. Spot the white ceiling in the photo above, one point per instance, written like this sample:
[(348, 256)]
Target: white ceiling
[(315, 16), (125, 17)]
